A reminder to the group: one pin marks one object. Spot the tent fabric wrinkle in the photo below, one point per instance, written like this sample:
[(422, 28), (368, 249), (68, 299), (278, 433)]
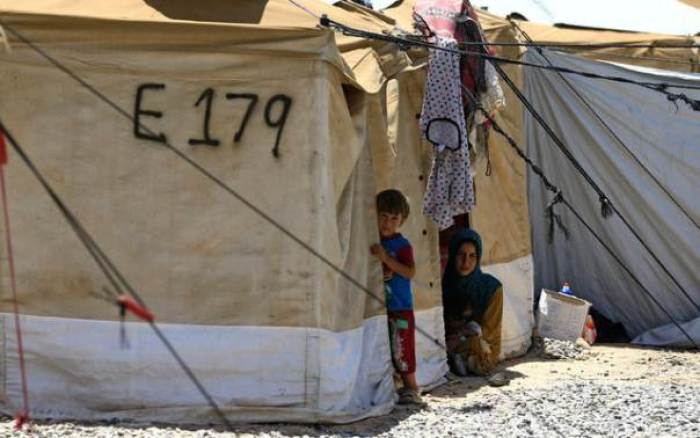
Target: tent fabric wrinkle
[(227, 94), (449, 191), (308, 125), (501, 215), (663, 139)]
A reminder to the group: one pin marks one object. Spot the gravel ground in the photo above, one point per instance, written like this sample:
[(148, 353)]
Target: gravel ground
[(554, 349), (602, 391)]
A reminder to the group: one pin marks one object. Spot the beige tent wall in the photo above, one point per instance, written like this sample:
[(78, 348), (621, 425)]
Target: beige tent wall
[(406, 160), (174, 220), (291, 339), (501, 214)]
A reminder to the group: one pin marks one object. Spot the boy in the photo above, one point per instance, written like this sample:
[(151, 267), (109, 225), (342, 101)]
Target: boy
[(396, 254)]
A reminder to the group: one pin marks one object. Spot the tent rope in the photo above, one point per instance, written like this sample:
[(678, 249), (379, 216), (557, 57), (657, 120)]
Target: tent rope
[(605, 204), (607, 207), (416, 41), (561, 199), (605, 124), (21, 417), (304, 8), (115, 276), (199, 168)]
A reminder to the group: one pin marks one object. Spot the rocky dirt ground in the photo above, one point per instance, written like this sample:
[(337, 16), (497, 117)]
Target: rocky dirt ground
[(556, 390)]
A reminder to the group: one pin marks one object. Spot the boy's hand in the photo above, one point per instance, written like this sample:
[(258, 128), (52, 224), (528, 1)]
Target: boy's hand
[(378, 251)]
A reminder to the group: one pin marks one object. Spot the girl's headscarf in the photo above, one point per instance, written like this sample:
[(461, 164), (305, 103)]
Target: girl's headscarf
[(474, 290)]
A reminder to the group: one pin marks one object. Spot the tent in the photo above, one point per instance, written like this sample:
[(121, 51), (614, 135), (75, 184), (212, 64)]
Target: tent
[(505, 215), (288, 115), (652, 178), (673, 17), (272, 333)]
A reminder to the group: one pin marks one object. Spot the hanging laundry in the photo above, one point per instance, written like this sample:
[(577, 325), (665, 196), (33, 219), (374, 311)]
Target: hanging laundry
[(442, 115), (448, 118), (437, 17), (449, 191), (478, 74), (469, 30), (457, 20)]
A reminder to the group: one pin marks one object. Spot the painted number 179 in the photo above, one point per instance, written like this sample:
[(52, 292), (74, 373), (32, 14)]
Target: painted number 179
[(275, 115)]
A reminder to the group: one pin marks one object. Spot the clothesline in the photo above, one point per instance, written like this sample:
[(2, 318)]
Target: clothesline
[(440, 46), (586, 45), (403, 42)]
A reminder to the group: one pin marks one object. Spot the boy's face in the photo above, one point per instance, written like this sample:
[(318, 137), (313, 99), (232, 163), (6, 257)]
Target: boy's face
[(389, 223)]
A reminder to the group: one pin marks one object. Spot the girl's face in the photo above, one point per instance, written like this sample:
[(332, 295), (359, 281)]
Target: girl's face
[(466, 259)]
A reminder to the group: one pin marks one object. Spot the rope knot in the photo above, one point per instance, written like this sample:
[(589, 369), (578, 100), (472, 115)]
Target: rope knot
[(606, 208), (554, 217)]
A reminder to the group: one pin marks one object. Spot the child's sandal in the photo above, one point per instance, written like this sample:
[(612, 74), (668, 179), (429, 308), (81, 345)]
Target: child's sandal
[(410, 397)]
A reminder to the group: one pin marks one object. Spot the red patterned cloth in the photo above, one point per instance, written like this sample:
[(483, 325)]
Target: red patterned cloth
[(440, 15)]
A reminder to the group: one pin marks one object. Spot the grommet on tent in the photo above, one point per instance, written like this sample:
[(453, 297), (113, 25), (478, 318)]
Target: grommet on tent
[(325, 22), (554, 217), (606, 208)]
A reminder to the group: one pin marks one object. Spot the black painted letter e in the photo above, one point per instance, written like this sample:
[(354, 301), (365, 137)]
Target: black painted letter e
[(142, 131)]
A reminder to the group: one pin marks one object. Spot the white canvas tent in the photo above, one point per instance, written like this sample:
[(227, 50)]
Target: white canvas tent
[(653, 185), (270, 331), (502, 215)]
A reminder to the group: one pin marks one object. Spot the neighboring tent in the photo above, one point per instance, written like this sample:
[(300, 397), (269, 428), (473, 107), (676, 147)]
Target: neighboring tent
[(502, 215), (654, 187), (667, 16), (271, 332), (675, 59), (501, 211)]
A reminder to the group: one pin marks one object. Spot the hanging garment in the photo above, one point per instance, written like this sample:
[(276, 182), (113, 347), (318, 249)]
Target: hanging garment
[(493, 98), (442, 115), (478, 74), (469, 30), (450, 190), (439, 16)]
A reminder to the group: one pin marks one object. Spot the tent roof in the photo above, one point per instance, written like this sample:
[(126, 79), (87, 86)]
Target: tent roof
[(272, 14), (498, 29), (681, 59), (667, 17), (281, 26)]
